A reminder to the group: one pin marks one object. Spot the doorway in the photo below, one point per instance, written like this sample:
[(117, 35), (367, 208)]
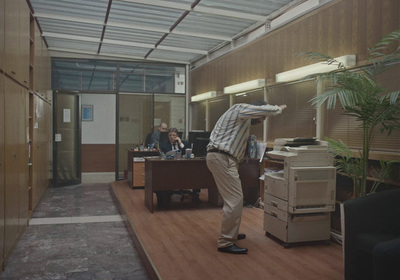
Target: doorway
[(66, 145)]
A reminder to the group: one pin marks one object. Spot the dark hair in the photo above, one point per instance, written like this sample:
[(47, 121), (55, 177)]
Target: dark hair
[(173, 129), (259, 103)]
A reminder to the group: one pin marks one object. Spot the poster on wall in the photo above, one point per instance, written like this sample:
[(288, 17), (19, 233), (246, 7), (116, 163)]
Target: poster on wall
[(87, 113)]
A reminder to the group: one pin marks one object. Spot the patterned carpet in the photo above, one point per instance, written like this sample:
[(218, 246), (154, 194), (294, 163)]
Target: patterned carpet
[(76, 232)]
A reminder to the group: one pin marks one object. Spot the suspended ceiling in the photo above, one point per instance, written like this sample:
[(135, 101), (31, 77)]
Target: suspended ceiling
[(177, 31)]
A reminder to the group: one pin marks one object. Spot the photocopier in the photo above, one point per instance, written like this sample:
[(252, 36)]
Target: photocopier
[(299, 198)]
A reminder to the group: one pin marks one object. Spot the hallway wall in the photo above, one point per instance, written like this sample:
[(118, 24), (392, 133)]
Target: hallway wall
[(25, 121)]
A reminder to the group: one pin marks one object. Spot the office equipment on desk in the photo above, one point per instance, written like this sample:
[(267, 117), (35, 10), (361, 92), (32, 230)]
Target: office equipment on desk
[(252, 146), (199, 141), (188, 153), (194, 134), (200, 147), (289, 147), (298, 201)]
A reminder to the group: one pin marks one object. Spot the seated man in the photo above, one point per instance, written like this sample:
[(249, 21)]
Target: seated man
[(175, 143), (155, 138)]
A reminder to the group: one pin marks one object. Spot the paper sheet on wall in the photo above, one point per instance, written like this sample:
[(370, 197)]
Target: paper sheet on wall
[(67, 115)]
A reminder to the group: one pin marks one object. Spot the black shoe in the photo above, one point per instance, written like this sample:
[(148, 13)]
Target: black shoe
[(241, 236), (233, 249)]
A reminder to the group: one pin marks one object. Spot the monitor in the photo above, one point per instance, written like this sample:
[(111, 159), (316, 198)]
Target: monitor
[(198, 134), (200, 147)]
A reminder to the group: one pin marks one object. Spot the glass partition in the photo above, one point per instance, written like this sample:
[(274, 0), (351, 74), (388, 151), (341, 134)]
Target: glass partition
[(198, 115), (135, 122), (141, 114), (146, 94), (103, 75), (170, 109)]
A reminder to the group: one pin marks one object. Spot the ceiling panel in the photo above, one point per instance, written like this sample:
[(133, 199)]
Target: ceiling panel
[(172, 31), (132, 35), (191, 42), (139, 14), (71, 28), (73, 45), (158, 54), (213, 25), (154, 29), (255, 7), (87, 9), (108, 49)]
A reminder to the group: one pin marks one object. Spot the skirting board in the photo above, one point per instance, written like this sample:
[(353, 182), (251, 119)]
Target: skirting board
[(98, 177)]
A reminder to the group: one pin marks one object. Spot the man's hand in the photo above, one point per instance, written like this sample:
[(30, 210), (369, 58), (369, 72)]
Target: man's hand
[(283, 107), (177, 139)]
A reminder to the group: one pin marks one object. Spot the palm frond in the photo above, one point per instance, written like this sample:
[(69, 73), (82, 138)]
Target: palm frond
[(391, 38), (380, 61), (339, 148), (384, 174), (393, 97)]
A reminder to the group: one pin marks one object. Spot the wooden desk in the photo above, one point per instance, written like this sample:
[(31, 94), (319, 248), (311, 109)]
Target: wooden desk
[(136, 169), (164, 174)]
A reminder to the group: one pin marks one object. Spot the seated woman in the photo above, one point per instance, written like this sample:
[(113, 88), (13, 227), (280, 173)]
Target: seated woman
[(175, 143)]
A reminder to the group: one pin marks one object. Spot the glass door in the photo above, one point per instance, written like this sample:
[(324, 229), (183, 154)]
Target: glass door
[(134, 123), (67, 159)]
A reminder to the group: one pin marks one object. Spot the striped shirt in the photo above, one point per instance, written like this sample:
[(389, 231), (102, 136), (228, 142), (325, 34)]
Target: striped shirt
[(232, 130)]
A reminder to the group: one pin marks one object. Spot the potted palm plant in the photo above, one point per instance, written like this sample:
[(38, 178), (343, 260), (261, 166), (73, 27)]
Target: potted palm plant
[(362, 97)]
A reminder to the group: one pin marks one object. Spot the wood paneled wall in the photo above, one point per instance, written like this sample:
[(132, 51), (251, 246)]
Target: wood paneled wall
[(339, 28), (2, 163), (40, 148), (24, 124)]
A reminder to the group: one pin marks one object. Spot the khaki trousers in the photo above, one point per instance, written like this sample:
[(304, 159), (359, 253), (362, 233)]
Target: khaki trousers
[(225, 172)]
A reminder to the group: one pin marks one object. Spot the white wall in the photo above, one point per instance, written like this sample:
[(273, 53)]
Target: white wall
[(102, 129)]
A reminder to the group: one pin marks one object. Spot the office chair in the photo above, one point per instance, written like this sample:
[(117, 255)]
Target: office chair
[(148, 139), (371, 235), (194, 194)]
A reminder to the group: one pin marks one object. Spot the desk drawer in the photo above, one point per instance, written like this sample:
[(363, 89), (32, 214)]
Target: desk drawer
[(138, 174), (138, 181)]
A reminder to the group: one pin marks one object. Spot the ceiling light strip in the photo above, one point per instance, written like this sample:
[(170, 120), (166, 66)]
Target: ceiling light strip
[(203, 96), (258, 83), (320, 67)]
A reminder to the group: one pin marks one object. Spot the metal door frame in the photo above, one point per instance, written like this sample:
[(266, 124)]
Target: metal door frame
[(55, 182)]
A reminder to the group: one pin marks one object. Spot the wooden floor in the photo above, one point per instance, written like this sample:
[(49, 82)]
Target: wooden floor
[(181, 243)]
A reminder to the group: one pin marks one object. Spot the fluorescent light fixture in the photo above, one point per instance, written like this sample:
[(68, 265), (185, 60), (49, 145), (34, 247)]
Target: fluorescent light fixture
[(245, 86), (241, 93), (320, 67), (203, 96)]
